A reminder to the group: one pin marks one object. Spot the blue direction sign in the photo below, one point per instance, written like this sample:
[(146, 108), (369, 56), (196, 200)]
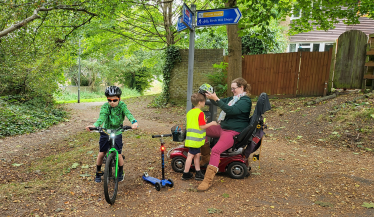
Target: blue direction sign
[(215, 17), (187, 16), (180, 25)]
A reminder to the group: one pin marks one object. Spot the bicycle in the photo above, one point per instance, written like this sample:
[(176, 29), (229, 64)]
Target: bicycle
[(111, 164)]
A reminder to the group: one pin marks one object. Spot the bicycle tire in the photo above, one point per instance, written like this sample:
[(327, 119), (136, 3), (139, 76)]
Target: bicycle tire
[(110, 180)]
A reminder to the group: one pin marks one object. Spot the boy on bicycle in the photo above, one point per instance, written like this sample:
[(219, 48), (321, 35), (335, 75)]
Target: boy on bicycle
[(112, 115)]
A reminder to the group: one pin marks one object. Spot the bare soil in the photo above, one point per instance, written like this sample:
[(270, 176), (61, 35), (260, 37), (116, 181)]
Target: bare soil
[(305, 169)]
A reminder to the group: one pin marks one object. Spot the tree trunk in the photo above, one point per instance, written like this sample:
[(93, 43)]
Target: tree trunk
[(234, 69), (168, 14)]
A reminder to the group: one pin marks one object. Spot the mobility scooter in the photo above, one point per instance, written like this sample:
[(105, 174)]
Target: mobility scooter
[(234, 161)]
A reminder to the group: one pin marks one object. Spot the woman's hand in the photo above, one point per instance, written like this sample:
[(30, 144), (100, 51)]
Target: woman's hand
[(212, 96), (134, 126)]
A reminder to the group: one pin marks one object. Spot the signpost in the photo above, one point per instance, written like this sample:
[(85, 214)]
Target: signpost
[(212, 17), (180, 25), (215, 17), (188, 20), (187, 17)]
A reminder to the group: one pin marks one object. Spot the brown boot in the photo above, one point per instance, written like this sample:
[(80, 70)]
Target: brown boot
[(205, 154), (208, 178)]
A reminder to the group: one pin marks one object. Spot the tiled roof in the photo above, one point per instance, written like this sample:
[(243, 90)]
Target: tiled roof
[(366, 25)]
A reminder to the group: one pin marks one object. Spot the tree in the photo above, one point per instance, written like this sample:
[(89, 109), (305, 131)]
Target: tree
[(323, 15), (16, 12)]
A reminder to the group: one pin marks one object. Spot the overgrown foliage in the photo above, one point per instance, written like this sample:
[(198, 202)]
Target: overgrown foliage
[(270, 40), (218, 79), (20, 114), (171, 57)]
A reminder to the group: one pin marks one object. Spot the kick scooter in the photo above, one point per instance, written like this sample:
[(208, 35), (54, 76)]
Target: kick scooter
[(157, 182)]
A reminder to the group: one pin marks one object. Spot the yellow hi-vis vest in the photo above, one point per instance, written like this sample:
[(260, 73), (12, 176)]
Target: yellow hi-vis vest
[(195, 137)]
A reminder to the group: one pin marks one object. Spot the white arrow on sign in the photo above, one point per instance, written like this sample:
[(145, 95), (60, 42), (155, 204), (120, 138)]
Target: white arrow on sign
[(238, 15)]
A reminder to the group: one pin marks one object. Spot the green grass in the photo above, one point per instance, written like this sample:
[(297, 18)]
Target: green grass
[(69, 97)]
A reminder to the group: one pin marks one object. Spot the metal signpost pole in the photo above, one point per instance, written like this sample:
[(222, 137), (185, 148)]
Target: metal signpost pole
[(211, 17), (191, 56), (79, 72)]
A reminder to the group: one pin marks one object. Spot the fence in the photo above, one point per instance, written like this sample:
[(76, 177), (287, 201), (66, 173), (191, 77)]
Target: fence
[(288, 74)]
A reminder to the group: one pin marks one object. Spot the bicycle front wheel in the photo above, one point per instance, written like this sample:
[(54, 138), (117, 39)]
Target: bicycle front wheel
[(110, 180)]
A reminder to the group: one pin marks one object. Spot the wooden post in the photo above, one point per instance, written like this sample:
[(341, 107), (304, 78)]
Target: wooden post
[(325, 90)]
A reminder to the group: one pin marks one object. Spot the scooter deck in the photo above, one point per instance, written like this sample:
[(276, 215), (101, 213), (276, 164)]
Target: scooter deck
[(153, 180)]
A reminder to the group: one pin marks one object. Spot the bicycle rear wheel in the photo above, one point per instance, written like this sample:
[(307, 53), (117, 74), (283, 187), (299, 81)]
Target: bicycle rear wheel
[(110, 180)]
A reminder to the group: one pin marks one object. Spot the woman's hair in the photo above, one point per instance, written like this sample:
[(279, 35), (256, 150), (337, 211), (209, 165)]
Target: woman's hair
[(241, 82), (196, 98)]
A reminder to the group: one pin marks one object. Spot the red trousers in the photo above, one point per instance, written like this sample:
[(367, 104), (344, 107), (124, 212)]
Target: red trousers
[(226, 141)]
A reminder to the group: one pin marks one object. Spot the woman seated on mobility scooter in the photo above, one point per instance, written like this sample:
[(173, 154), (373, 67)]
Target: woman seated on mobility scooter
[(232, 120)]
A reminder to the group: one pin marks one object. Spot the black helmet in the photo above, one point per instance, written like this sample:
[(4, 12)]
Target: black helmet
[(113, 91)]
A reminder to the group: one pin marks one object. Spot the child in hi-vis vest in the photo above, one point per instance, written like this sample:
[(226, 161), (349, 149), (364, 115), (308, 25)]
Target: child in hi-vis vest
[(195, 137)]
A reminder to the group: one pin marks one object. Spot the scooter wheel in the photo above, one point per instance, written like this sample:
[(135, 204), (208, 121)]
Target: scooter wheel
[(172, 183), (158, 186)]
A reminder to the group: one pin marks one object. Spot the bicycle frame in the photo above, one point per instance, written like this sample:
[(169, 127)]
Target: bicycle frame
[(112, 139)]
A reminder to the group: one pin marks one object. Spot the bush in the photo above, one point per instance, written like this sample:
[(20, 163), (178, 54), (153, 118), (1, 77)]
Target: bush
[(22, 114), (218, 79)]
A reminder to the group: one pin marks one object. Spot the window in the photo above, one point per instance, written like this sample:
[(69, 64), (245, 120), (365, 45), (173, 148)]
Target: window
[(315, 47), (310, 47), (304, 47), (292, 48), (328, 46)]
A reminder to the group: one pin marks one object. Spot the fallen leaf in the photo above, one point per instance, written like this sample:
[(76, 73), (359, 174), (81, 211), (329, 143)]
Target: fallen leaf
[(16, 165), (368, 205), (324, 204), (225, 195), (214, 210), (74, 166)]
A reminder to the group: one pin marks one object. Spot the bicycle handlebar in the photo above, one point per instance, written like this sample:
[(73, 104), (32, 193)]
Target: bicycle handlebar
[(164, 135), (100, 129)]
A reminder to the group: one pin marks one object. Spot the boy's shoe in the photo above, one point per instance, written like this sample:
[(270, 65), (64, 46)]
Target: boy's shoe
[(99, 174), (120, 176), (199, 176), (187, 176)]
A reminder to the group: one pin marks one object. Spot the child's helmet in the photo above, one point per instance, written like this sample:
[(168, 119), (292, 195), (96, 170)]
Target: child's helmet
[(203, 89), (113, 91)]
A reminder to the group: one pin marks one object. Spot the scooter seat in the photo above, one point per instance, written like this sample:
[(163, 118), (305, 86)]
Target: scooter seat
[(230, 152)]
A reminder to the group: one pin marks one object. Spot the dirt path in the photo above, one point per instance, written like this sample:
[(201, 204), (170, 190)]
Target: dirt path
[(300, 178)]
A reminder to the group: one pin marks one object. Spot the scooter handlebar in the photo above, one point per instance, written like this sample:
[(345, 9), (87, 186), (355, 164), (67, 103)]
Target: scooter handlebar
[(164, 135)]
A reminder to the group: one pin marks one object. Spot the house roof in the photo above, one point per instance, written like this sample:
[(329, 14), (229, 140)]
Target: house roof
[(366, 25)]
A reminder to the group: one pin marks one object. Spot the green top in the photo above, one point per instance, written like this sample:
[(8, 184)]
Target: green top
[(237, 115), (112, 118)]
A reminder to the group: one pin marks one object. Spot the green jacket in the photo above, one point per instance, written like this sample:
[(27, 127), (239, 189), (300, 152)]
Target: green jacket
[(112, 118), (237, 116)]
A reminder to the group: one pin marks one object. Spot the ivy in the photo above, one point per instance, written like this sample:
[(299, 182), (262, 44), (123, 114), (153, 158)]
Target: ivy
[(20, 114), (171, 57)]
